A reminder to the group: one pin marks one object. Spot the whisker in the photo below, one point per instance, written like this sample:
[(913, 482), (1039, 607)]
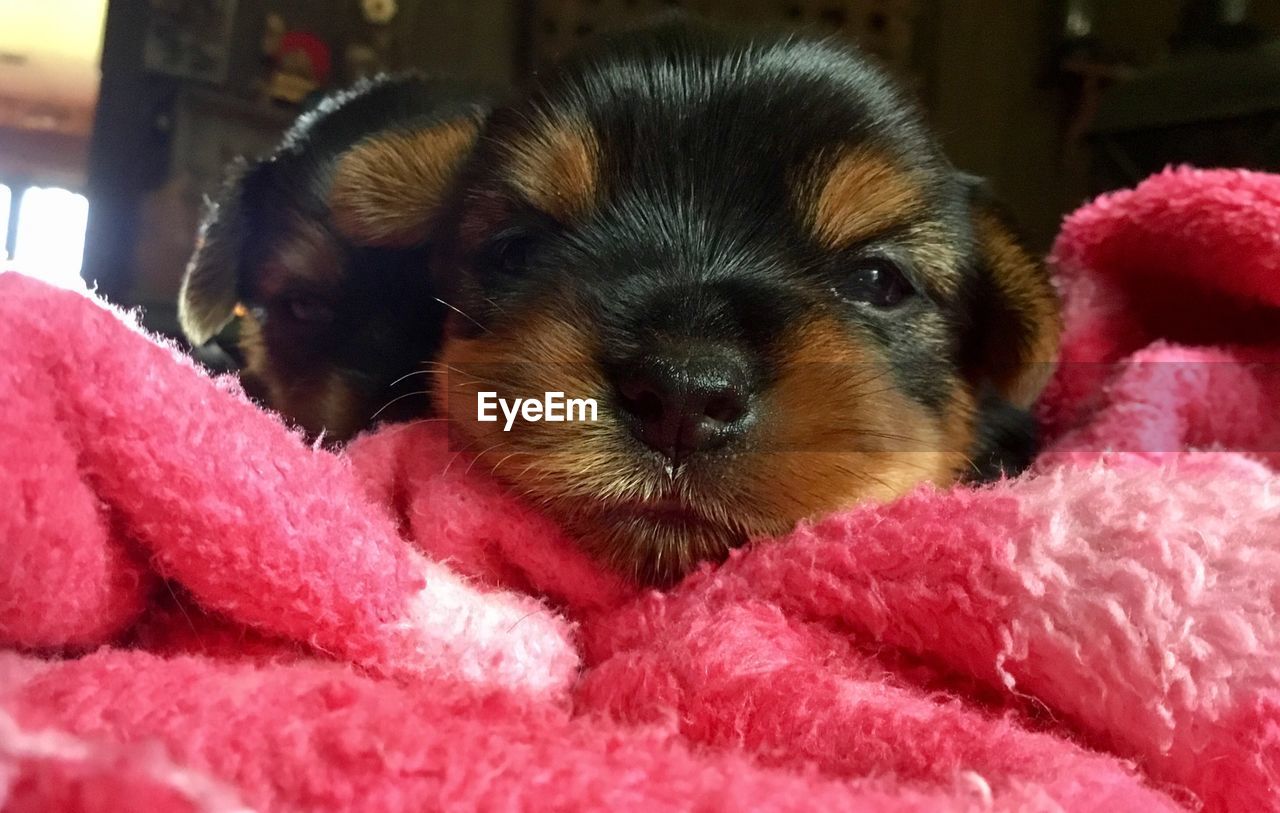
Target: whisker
[(476, 459), (880, 391), (463, 314), (878, 481), (525, 472), (398, 398), (498, 465), (450, 368), (453, 459), (407, 375), (873, 377)]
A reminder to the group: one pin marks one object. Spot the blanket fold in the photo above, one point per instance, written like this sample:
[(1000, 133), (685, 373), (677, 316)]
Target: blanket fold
[(202, 611)]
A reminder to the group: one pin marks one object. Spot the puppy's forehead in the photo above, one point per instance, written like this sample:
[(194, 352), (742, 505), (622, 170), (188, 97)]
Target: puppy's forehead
[(800, 127), (555, 166)]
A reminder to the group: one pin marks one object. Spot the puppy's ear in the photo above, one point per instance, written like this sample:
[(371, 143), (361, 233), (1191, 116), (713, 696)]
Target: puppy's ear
[(387, 189), (209, 292), (1012, 341)]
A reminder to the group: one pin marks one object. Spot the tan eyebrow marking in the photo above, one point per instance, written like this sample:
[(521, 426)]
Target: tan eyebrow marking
[(387, 188), (305, 253), (557, 169), (863, 193)]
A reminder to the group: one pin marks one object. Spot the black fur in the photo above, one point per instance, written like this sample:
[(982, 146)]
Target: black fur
[(382, 319), (698, 233)]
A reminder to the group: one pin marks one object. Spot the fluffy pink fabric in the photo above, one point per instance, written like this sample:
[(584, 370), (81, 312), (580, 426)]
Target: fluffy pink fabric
[(206, 613)]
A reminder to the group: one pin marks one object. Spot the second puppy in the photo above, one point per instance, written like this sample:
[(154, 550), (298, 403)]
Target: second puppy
[(313, 269)]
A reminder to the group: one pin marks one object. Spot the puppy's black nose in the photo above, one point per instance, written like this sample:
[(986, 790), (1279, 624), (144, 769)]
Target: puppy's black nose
[(684, 402)]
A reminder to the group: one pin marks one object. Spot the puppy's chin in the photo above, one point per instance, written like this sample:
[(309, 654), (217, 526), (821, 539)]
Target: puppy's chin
[(654, 545), (654, 549)]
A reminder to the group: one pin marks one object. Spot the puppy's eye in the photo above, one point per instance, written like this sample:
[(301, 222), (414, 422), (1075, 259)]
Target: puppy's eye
[(308, 310), (878, 282), (507, 254)]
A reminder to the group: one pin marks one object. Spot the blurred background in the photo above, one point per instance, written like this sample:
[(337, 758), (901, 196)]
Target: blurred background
[(117, 118)]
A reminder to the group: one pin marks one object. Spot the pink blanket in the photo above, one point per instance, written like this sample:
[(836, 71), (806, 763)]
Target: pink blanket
[(198, 611)]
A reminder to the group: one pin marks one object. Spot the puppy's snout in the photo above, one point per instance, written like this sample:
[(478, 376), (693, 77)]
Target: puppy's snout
[(683, 402)]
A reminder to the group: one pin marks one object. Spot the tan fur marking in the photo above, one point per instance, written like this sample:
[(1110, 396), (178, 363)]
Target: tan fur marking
[(826, 440), (845, 434), (306, 258), (557, 170), (528, 357), (1031, 300), (387, 188), (863, 193)]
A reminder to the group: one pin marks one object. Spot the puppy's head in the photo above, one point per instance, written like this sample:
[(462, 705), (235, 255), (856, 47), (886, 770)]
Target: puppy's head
[(319, 253), (753, 257)]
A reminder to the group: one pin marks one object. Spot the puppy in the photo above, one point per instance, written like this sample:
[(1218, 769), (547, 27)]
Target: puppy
[(752, 255), (316, 272)]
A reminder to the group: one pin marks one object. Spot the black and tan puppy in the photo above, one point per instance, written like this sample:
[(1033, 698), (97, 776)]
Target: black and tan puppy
[(748, 251), (754, 257), (320, 269)]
